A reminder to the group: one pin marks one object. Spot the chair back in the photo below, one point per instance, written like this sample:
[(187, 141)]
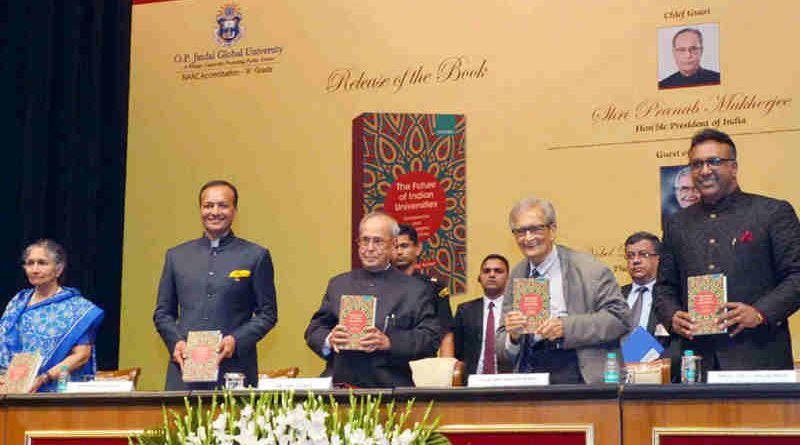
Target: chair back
[(655, 372), (287, 373), (437, 372), (130, 374)]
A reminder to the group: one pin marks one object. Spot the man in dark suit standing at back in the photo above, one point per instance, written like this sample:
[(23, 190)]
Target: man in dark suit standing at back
[(406, 251), (642, 250), (477, 320), (216, 282), (754, 241)]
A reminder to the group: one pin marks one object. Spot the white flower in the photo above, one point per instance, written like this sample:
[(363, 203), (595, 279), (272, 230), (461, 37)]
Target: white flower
[(378, 433), (296, 417), (247, 412), (405, 438), (192, 439), (318, 416), (357, 436), (219, 424), (335, 439), (263, 423)]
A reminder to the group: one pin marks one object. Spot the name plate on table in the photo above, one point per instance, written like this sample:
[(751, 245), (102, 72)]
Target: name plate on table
[(500, 380), (100, 386), (299, 383), (766, 376)]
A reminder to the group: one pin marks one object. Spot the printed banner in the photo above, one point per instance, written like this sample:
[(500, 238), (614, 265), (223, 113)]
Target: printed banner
[(413, 167)]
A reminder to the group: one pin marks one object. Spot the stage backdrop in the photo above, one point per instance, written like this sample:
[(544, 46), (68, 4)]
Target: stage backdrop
[(561, 99)]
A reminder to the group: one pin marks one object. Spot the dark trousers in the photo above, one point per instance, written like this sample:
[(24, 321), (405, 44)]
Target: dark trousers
[(548, 356)]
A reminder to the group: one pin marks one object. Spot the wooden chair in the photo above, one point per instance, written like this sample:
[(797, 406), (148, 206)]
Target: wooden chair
[(437, 372), (287, 373), (655, 372), (130, 374)]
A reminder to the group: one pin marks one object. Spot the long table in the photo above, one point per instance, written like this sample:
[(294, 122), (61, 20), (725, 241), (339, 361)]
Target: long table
[(563, 414)]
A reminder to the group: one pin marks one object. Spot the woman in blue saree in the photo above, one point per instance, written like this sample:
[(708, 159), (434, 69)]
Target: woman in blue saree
[(56, 321)]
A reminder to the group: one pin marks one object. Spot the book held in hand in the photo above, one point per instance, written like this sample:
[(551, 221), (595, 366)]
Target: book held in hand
[(356, 313), (22, 372), (707, 294), (532, 298), (200, 364)]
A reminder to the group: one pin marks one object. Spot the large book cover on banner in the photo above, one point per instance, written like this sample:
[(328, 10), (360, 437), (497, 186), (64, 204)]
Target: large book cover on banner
[(413, 167), (22, 372), (200, 364), (532, 298), (707, 294), (356, 313)]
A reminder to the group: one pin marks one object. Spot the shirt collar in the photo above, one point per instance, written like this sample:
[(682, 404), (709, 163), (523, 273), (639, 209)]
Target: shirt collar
[(498, 302), (724, 203), (649, 285), (220, 241), (547, 264)]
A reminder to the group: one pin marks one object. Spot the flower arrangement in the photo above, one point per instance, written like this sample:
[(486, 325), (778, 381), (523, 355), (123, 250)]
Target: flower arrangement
[(272, 418)]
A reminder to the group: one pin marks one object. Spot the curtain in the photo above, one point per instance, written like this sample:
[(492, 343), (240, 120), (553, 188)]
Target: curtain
[(65, 70)]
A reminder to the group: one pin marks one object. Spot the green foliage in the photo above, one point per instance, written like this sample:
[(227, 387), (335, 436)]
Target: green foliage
[(277, 418)]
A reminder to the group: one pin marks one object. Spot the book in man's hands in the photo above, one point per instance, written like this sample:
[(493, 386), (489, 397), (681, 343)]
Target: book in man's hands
[(356, 314), (532, 298), (707, 295), (200, 364), (22, 372)]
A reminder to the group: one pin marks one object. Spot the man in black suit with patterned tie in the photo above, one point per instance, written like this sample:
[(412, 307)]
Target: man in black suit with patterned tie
[(642, 250), (477, 320)]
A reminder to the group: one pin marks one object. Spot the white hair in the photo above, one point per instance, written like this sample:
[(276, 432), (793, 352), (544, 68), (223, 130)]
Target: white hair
[(529, 203), (394, 228)]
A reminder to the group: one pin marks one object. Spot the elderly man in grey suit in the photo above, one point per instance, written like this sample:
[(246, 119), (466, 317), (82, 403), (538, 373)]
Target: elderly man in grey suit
[(587, 312), (216, 282)]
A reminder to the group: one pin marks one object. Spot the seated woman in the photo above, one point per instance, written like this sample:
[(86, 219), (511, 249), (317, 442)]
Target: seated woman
[(54, 320)]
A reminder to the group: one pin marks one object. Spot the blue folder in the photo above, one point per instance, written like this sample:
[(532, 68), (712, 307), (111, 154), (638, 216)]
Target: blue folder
[(641, 346)]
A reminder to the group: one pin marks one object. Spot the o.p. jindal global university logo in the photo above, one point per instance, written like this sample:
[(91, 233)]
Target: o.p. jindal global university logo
[(229, 28), (229, 58)]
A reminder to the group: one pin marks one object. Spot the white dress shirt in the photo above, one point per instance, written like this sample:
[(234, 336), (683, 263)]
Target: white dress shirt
[(550, 268), (497, 311), (647, 301)]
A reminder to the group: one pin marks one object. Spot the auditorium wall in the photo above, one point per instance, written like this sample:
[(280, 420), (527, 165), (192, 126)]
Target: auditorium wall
[(561, 101)]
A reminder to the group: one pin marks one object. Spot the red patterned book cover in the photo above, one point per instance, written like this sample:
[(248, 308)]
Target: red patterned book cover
[(356, 313), (413, 167), (707, 294), (532, 298), (22, 372), (200, 364)]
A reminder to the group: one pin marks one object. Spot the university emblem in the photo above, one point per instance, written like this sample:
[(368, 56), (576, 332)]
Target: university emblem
[(229, 25)]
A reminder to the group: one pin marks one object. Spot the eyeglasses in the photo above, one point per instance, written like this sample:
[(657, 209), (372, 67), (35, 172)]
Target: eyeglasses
[(694, 50), (522, 232), (365, 241), (643, 255), (714, 162)]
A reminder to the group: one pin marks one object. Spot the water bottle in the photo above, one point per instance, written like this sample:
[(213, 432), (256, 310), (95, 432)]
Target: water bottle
[(688, 367), (611, 371), (63, 378)]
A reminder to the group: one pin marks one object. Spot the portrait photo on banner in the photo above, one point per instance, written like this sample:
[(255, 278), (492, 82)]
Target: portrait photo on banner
[(688, 56), (677, 190)]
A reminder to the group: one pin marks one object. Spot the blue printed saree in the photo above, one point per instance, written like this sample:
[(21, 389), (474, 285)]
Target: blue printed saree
[(52, 327)]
